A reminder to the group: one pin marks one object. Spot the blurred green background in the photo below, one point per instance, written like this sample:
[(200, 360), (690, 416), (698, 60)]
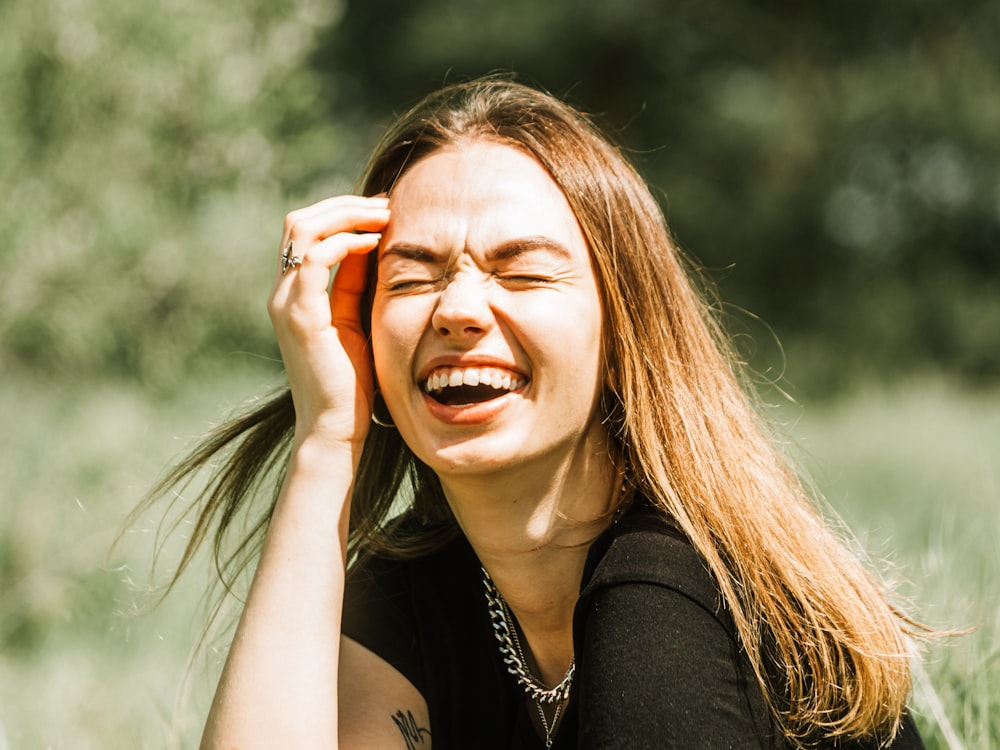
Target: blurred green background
[(835, 167)]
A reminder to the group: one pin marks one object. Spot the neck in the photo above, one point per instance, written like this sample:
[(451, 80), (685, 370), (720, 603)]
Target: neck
[(531, 528)]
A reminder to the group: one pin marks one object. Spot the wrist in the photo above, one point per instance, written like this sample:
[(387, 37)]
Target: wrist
[(316, 446), (320, 481)]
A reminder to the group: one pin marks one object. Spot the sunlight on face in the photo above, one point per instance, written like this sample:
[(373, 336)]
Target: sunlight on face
[(486, 322)]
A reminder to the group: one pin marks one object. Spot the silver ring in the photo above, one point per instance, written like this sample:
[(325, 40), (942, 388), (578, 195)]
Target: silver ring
[(288, 260)]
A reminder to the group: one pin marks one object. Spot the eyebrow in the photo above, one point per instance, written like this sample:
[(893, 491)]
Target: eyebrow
[(504, 251), (409, 251)]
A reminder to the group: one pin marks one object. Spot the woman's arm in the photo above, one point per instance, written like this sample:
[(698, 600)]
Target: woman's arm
[(379, 708), (279, 687)]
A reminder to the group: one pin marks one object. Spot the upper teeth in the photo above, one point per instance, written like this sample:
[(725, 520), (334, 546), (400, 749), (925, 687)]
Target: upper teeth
[(452, 377)]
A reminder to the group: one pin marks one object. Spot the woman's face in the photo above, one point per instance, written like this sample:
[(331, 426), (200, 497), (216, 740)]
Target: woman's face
[(486, 323)]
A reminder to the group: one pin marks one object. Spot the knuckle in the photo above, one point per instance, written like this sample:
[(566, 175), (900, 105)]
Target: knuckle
[(292, 220)]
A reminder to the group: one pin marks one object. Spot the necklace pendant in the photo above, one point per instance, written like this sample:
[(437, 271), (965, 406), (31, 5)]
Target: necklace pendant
[(513, 656), (550, 729)]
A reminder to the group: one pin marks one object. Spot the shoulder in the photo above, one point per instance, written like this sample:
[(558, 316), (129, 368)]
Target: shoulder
[(379, 578), (643, 547), (394, 604), (659, 661)]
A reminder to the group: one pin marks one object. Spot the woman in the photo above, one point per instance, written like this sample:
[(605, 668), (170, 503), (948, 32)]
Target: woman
[(515, 423)]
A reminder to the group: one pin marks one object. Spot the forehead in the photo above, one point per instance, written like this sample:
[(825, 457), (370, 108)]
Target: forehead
[(479, 193), (468, 161)]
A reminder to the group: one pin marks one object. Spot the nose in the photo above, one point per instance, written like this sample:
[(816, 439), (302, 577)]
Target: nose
[(463, 308)]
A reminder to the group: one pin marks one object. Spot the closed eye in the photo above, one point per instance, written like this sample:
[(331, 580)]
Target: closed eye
[(411, 284), (523, 279)]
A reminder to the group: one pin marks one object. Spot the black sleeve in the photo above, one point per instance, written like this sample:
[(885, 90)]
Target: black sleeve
[(659, 664), (659, 670), (378, 614)]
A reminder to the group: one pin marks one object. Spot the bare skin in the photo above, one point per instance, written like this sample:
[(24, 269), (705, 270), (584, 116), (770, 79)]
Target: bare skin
[(519, 472), (279, 685)]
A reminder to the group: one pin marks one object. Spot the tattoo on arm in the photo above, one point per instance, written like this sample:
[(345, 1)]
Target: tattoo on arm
[(412, 732)]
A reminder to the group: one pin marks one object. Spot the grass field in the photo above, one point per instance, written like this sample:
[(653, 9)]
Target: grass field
[(913, 469)]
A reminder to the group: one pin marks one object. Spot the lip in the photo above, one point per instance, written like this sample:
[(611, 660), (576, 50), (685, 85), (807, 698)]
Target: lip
[(469, 414)]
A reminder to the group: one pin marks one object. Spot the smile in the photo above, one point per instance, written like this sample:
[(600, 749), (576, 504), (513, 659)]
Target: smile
[(457, 386)]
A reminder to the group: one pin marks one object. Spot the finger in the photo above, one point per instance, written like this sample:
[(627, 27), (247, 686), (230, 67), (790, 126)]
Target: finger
[(348, 289), (316, 239), (340, 214), (352, 274), (306, 238), (340, 201), (336, 249), (311, 278)]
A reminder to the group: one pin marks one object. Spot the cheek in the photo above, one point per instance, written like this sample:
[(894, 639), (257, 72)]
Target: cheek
[(567, 337), (582, 341), (382, 340), (396, 330)]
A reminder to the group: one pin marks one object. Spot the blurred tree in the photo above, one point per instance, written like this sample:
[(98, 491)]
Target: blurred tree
[(834, 166), (147, 154)]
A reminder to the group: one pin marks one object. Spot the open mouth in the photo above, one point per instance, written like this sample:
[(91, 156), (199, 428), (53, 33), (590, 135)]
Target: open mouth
[(464, 386)]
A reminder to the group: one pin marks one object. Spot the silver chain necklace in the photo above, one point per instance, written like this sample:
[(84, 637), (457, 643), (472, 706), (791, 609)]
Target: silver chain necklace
[(513, 656)]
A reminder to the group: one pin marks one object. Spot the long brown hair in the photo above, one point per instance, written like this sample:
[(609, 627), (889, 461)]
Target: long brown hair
[(829, 649)]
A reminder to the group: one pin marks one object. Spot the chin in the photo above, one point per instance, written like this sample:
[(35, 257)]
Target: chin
[(481, 455)]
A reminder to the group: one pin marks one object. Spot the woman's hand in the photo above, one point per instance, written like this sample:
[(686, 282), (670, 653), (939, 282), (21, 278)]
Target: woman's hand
[(319, 332)]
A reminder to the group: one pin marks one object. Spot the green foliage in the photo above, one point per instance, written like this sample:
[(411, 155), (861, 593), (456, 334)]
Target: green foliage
[(149, 151), (832, 166)]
